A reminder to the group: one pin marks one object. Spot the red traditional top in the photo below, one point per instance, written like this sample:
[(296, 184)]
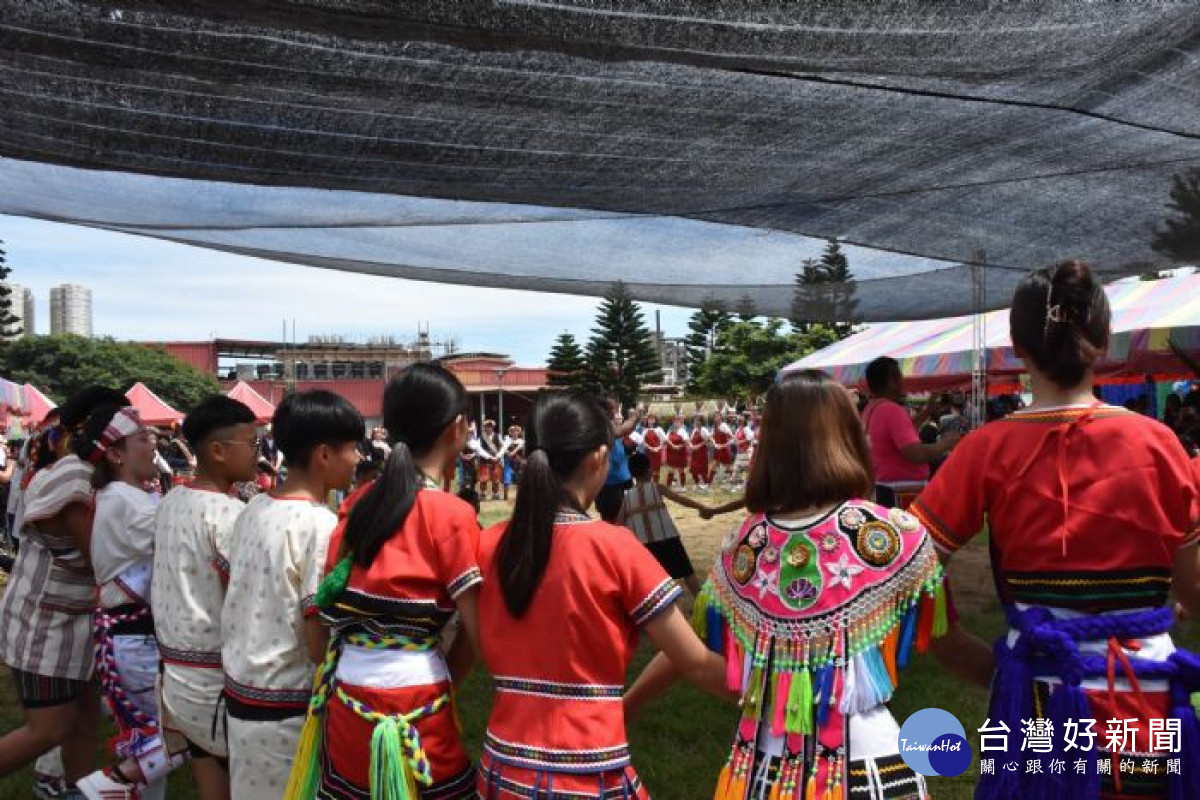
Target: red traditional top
[(410, 587), (559, 670), (1086, 506)]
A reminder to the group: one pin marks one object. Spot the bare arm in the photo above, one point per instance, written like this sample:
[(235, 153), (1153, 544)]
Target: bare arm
[(1185, 579), (629, 425), (683, 500), (658, 676), (465, 650), (920, 453), (78, 522), (686, 657), (316, 638), (733, 505)]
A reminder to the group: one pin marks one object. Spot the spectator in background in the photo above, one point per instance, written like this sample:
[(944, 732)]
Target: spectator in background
[(897, 451), (1171, 408), (954, 418), (608, 501)]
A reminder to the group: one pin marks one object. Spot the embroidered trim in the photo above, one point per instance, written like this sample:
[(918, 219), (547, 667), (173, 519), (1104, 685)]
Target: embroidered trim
[(463, 582), (629, 786), (198, 659), (556, 689), (662, 596), (221, 564), (596, 760), (945, 539), (258, 696)]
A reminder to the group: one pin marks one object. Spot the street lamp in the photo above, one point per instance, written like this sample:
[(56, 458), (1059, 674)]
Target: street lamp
[(500, 373)]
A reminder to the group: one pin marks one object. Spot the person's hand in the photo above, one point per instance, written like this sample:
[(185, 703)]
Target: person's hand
[(1181, 613), (949, 440)]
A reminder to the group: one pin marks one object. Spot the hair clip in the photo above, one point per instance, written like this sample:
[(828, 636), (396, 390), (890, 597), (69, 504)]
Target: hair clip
[(1054, 313)]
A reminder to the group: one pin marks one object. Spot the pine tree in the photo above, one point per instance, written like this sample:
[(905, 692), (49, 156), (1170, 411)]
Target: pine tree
[(10, 325), (826, 284), (747, 309), (567, 365), (621, 354), (1180, 239), (704, 328)]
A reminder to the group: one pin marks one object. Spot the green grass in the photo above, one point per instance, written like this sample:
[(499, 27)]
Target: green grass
[(681, 741)]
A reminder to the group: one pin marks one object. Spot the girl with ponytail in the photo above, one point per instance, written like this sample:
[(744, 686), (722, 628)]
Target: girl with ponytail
[(563, 600), (1094, 514), (402, 561)]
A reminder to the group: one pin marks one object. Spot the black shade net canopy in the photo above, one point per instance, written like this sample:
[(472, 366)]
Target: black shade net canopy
[(694, 150)]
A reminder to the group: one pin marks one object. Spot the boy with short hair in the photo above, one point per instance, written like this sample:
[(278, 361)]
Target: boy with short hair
[(192, 531), (271, 635)]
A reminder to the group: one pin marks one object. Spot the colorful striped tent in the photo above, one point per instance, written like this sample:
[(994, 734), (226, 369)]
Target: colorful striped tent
[(938, 353), (36, 404)]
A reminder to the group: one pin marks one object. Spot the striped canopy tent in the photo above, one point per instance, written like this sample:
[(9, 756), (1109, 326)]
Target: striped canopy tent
[(12, 397), (936, 354), (151, 407), (36, 405), (243, 392)]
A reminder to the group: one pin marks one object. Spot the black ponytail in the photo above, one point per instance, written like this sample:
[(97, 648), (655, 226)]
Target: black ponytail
[(418, 405), (563, 429), (1061, 319)]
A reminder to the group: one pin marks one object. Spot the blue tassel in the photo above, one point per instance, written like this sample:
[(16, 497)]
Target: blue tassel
[(714, 630), (1185, 785), (879, 675), (825, 684), (907, 634), (1012, 697)]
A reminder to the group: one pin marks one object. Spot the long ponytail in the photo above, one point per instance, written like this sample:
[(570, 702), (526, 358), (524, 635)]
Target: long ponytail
[(418, 405), (563, 430)]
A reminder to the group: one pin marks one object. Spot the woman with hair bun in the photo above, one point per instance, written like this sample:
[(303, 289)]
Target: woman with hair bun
[(564, 598), (381, 721), (1093, 517)]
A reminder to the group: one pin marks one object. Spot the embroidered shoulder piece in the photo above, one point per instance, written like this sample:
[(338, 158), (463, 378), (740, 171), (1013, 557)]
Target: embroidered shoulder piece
[(816, 622)]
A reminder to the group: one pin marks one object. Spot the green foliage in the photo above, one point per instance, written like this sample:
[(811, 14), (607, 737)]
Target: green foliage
[(621, 354), (61, 365), (749, 354), (9, 324), (825, 291), (567, 364), (704, 327), (1180, 238)]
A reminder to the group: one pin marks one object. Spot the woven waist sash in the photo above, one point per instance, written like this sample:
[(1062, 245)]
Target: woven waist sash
[(398, 761), (1050, 646)]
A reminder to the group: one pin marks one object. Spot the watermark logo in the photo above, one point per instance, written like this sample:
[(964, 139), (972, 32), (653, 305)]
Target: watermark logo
[(934, 743)]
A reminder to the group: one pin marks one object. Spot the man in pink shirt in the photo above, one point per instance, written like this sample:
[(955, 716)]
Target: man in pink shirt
[(896, 449)]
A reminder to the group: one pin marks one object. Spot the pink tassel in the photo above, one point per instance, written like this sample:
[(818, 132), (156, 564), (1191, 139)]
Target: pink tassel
[(733, 663), (782, 685)]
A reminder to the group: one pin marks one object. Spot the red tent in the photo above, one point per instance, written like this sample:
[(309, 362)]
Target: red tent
[(37, 405), (244, 393), (151, 408)]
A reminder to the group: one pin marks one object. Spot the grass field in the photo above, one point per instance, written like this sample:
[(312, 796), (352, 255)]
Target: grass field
[(681, 742)]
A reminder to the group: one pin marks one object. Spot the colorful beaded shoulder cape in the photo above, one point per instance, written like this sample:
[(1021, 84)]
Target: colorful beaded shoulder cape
[(814, 622)]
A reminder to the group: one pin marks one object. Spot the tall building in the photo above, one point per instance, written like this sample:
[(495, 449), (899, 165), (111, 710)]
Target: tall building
[(71, 309), (21, 300)]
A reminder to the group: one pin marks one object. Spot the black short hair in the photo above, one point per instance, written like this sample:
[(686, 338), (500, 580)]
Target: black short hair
[(80, 405), (880, 372), (639, 465), (214, 413), (307, 420)]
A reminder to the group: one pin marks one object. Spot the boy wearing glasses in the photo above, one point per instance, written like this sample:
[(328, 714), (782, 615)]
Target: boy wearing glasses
[(272, 637), (188, 590)]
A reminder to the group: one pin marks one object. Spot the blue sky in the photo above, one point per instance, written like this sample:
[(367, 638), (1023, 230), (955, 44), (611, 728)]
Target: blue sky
[(147, 289)]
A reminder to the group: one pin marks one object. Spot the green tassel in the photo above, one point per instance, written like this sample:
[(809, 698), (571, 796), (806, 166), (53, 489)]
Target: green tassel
[(800, 703), (940, 622), (754, 694), (334, 584), (389, 779), (305, 777), (700, 612)]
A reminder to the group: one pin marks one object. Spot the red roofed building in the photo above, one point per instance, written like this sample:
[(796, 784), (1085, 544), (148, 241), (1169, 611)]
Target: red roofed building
[(492, 380)]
